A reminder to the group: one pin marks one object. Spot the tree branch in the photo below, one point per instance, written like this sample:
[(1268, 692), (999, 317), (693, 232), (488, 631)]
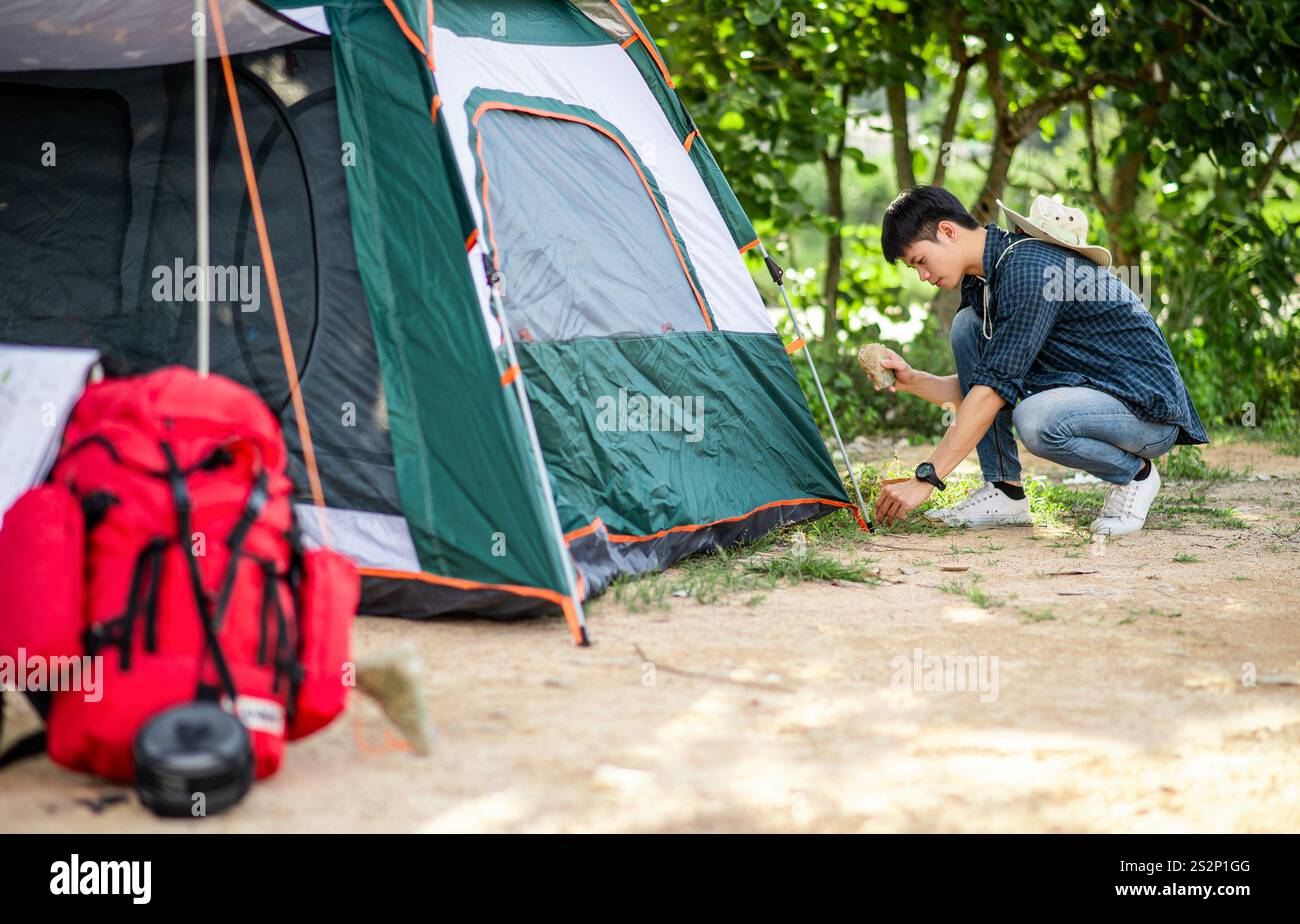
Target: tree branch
[(1208, 12), (1094, 175), (1026, 118), (949, 127), (896, 95), (1276, 157)]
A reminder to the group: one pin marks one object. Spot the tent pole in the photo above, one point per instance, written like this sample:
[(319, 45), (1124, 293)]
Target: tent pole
[(778, 276), (200, 30), (494, 280)]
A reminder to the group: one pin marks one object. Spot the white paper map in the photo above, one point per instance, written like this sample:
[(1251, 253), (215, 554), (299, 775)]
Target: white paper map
[(38, 386)]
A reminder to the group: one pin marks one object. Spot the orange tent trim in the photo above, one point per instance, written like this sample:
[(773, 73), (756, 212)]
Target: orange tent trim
[(584, 530), (563, 601), (596, 523), (406, 30), (272, 279), (693, 527), (663, 69)]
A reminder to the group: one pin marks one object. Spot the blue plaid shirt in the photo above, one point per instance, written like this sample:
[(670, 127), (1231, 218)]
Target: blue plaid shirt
[(1049, 331)]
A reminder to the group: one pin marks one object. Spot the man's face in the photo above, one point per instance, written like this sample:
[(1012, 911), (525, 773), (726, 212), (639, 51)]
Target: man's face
[(938, 262)]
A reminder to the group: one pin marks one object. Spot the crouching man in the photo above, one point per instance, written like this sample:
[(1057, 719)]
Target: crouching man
[(1047, 343)]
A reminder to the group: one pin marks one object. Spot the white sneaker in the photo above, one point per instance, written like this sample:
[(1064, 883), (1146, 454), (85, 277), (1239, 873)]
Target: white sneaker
[(986, 507), (1125, 510)]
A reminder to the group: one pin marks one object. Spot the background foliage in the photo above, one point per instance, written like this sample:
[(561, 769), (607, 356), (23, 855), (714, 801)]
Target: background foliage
[(1172, 122)]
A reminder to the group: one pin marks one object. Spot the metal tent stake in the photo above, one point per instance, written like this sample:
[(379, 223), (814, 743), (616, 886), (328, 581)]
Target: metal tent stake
[(571, 568), (778, 276)]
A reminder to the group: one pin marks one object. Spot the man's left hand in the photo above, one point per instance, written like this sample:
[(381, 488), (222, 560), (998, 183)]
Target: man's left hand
[(896, 501)]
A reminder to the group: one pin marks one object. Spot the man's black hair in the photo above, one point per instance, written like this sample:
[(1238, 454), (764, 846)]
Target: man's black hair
[(915, 216)]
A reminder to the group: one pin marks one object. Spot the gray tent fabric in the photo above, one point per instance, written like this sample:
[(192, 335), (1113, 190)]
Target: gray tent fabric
[(603, 14), (94, 227), (98, 34), (554, 186)]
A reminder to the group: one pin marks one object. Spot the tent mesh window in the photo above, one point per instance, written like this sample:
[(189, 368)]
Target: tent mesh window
[(585, 248)]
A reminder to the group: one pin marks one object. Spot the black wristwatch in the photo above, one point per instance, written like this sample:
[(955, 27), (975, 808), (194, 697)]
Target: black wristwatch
[(925, 472)]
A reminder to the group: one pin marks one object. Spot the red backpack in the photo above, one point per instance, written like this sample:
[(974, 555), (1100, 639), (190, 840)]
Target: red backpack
[(164, 542)]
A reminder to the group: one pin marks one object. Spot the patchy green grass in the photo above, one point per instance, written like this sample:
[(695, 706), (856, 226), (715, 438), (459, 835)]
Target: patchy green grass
[(1042, 614), (711, 577), (1173, 512), (1186, 463), (1152, 611), (639, 593), (1186, 558), (973, 592), (1072, 542), (1286, 439), (717, 576), (1070, 506), (1285, 533), (1051, 505), (1176, 511), (812, 567)]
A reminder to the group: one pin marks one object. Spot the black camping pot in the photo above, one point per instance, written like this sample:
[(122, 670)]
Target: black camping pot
[(189, 749)]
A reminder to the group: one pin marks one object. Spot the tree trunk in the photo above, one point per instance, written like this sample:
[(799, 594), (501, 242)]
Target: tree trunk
[(834, 165), (897, 97), (1124, 185), (950, 124), (986, 207), (947, 301), (1005, 141)]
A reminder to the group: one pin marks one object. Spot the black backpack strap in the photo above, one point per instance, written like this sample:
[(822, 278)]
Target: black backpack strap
[(120, 631), (257, 498), (94, 439), (181, 498), (270, 585), (284, 648)]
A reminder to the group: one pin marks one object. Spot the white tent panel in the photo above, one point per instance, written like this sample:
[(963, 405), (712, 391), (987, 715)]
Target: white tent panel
[(372, 540), (38, 387), (604, 79)]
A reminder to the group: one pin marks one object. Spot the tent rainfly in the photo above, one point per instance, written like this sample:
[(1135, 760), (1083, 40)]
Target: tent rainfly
[(530, 352)]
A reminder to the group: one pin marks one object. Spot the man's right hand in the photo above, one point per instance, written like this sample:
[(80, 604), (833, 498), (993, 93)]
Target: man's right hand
[(903, 373)]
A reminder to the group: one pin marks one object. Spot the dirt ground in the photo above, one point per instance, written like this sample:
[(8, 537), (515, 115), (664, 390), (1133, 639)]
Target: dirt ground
[(1146, 694)]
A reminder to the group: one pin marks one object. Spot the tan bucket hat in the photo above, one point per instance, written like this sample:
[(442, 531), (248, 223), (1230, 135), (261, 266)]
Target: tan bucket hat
[(1058, 224)]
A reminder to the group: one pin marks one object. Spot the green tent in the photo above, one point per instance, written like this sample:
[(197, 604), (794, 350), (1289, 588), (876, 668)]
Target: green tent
[(467, 202)]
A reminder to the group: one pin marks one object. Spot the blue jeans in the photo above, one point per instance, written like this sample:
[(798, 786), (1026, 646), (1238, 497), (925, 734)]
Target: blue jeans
[(1076, 427)]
